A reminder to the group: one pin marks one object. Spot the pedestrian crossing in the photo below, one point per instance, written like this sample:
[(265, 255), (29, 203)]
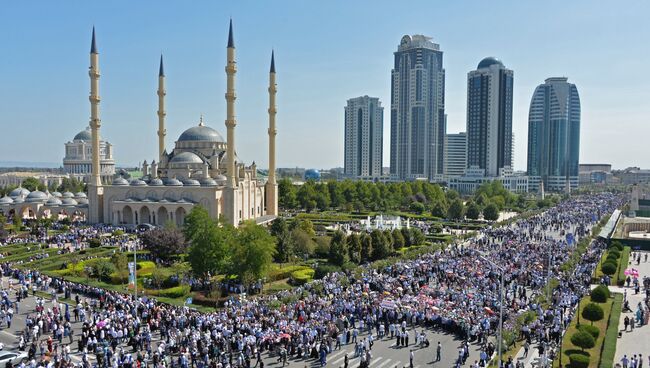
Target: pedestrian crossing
[(337, 359)]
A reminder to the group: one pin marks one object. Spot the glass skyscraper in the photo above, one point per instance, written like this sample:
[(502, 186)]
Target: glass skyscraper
[(417, 115), (489, 117), (554, 136)]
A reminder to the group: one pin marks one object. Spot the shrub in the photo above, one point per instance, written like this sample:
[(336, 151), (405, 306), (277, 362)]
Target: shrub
[(579, 361), (600, 294), (583, 340), (279, 273), (593, 312), (592, 330), (164, 277), (174, 292), (119, 278), (118, 232), (301, 277), (608, 268), (613, 258), (614, 252), (103, 269), (324, 269), (94, 243)]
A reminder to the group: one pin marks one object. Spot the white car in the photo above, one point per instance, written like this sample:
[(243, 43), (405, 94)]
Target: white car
[(11, 357)]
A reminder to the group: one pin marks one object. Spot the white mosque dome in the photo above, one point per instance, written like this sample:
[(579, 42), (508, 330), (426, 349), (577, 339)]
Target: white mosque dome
[(18, 192), (57, 194), (120, 181), (69, 202), (67, 195), (80, 195), (36, 196), (84, 135), (6, 200), (186, 158), (201, 133), (54, 201)]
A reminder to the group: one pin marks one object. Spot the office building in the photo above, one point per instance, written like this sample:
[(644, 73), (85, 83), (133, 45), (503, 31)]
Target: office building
[(554, 136), (417, 120), (489, 117), (364, 128), (455, 154)]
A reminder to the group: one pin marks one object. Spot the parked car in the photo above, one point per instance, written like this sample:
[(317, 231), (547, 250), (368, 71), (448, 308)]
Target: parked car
[(13, 357)]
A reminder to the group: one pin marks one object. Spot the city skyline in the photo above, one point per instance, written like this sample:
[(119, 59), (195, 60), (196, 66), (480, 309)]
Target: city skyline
[(44, 102)]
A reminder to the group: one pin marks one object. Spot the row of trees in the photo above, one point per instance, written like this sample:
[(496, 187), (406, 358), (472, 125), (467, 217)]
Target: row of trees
[(417, 197), (219, 248), (296, 238), (67, 185)]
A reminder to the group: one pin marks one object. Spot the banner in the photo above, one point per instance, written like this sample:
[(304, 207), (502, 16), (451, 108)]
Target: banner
[(132, 273)]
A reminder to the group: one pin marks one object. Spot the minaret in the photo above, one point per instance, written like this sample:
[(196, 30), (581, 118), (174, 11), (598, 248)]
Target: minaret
[(231, 69), (271, 190), (95, 190), (162, 132)]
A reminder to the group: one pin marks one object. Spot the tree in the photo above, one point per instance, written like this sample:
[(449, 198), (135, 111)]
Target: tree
[(417, 237), (252, 252), (416, 207), (303, 224), (398, 239), (583, 340), (338, 253), (593, 312), (439, 209), (164, 243), (119, 260), (473, 210), (210, 242), (286, 194), (283, 240), (491, 212), (380, 247), (366, 248), (303, 244), (600, 294), (456, 210), (354, 248), (608, 268), (71, 185), (32, 184)]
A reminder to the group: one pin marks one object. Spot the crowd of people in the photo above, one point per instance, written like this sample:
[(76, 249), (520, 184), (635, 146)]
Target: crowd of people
[(457, 289)]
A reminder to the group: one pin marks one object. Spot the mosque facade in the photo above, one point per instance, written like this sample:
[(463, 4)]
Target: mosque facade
[(77, 162), (202, 169)]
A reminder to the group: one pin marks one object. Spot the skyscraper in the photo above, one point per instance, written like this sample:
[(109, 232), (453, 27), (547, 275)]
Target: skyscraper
[(417, 116), (455, 154), (364, 130), (554, 135), (489, 117)]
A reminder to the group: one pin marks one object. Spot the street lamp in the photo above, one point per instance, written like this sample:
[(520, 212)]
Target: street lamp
[(502, 272)]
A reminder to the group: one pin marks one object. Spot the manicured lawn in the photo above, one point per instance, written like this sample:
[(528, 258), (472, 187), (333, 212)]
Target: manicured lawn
[(611, 336), (594, 353), (622, 266)]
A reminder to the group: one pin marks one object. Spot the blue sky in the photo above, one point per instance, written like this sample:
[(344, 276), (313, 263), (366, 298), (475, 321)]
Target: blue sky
[(326, 52)]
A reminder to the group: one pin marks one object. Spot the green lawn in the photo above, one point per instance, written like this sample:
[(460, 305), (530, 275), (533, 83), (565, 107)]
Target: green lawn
[(611, 336)]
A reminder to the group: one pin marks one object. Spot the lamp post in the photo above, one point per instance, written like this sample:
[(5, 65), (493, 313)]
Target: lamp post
[(501, 287)]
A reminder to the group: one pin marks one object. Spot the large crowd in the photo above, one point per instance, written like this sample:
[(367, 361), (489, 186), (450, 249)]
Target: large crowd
[(456, 289)]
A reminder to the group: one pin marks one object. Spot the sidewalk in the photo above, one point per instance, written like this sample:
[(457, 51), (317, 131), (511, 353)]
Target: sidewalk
[(636, 341)]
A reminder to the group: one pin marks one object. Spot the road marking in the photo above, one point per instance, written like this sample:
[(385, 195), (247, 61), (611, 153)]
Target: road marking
[(337, 354), (385, 362), (9, 333)]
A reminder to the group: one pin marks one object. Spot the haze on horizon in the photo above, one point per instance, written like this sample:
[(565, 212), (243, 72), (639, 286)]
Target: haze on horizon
[(326, 52)]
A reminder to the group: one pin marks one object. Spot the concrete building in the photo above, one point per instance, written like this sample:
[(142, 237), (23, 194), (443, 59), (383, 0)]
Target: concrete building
[(202, 169), (455, 154), (554, 136), (364, 131), (78, 158), (634, 175), (474, 177), (32, 205), (16, 178), (417, 120), (595, 174), (489, 117)]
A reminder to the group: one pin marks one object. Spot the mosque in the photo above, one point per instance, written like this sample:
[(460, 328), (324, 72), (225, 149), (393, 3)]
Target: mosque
[(201, 170)]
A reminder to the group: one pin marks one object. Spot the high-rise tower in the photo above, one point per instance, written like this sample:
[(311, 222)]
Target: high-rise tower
[(554, 136), (417, 119), (489, 117), (95, 189), (271, 190), (364, 130), (162, 132)]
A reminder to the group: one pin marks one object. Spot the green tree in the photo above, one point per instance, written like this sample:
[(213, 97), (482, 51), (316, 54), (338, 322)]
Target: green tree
[(583, 340), (593, 312), (165, 243), (608, 268), (354, 248), (119, 260), (473, 210), (398, 239), (304, 224), (380, 247), (417, 207), (338, 253), (366, 248), (252, 252), (417, 237), (491, 212), (456, 210), (303, 243), (32, 184), (209, 251), (286, 194), (283, 240), (439, 209)]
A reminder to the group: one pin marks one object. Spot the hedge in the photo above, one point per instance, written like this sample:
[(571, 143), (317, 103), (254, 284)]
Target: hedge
[(624, 261), (608, 349), (279, 273), (174, 292), (301, 277)]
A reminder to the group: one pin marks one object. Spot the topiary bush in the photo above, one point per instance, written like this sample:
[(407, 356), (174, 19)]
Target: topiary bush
[(614, 252), (608, 268), (600, 294), (612, 258), (579, 361), (592, 330), (174, 292), (583, 340), (301, 277), (593, 312)]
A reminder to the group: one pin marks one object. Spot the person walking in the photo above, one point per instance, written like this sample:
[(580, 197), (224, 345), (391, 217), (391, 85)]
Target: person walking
[(438, 352), (411, 358)]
